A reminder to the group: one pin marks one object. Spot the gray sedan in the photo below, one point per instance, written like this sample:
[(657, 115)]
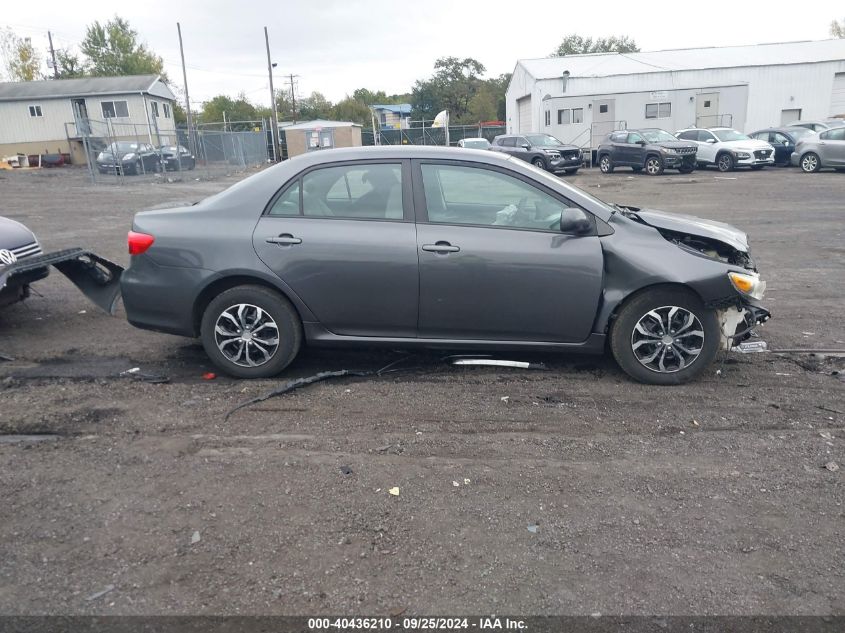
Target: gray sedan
[(443, 248), (825, 149)]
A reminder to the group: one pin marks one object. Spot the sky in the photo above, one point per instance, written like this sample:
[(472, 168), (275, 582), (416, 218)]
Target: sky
[(336, 46)]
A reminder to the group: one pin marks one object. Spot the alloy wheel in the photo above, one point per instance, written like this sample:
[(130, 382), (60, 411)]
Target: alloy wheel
[(604, 164), (810, 162), (667, 339), (726, 163), (246, 335), (652, 166)]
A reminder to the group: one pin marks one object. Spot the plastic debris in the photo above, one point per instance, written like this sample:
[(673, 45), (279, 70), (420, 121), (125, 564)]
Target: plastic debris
[(101, 593), (505, 399), (751, 347), (456, 484), (832, 466), (195, 537), (7, 358), (137, 374), (209, 375), (826, 435), (467, 481), (394, 491), (492, 362), (533, 528)]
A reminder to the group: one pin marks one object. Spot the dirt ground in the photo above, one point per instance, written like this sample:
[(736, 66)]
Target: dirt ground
[(571, 490)]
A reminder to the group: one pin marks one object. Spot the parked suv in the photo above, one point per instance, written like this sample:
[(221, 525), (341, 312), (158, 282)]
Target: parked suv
[(651, 149), (541, 150), (727, 148), (825, 149)]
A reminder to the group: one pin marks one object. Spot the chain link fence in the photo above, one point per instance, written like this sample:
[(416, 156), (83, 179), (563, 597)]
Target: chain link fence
[(118, 153), (421, 133)]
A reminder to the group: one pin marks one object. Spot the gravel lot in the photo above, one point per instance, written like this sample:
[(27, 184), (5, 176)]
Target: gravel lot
[(709, 498)]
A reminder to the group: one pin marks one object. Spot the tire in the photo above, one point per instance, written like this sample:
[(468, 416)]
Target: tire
[(654, 165), (136, 168), (725, 162), (662, 302), (810, 163), (571, 172), (686, 170), (605, 164), (277, 314), (539, 163)]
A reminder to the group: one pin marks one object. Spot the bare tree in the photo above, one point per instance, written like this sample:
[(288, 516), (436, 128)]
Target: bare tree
[(837, 29)]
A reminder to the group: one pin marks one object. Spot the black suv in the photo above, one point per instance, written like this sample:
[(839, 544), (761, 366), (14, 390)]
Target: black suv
[(651, 149), (541, 150)]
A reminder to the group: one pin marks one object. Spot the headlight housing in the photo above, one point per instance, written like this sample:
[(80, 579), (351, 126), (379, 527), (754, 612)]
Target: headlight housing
[(743, 155), (129, 156), (668, 150), (748, 284)]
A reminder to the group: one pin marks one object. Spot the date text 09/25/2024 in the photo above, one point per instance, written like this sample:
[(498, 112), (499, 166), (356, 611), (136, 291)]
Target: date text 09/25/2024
[(483, 623)]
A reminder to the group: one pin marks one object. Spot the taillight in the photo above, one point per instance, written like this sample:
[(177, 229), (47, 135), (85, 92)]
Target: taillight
[(139, 242)]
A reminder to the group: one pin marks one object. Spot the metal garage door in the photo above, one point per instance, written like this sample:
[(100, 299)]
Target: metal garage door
[(523, 107), (837, 98)]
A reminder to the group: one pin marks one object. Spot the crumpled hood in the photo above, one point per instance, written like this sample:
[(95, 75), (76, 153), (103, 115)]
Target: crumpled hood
[(694, 226), (14, 234)]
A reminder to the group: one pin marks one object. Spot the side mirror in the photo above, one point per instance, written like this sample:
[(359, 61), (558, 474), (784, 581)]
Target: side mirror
[(641, 142), (526, 146), (710, 140), (574, 221)]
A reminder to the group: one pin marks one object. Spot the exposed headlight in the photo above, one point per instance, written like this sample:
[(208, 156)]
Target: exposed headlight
[(129, 156), (748, 284), (668, 150), (553, 154)]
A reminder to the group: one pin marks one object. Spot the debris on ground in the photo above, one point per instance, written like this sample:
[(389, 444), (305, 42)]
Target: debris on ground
[(7, 358), (101, 593), (456, 484), (394, 491), (137, 374), (832, 466), (195, 537), (533, 528), (751, 347), (492, 362), (209, 375), (505, 399), (346, 470), (826, 435)]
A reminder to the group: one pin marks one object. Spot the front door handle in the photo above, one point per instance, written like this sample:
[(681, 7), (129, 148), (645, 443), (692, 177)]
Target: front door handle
[(285, 239), (441, 247)]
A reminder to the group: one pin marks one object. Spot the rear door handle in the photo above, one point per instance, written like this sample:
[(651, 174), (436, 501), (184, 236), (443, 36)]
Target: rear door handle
[(441, 247), (285, 239)]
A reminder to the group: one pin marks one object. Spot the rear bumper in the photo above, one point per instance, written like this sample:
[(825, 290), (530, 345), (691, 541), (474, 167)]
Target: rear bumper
[(161, 298)]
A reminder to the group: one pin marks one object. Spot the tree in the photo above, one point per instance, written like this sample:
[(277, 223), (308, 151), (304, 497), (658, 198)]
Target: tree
[(20, 57), (314, 107), (112, 49), (236, 110), (454, 84), (575, 44), (180, 117), (837, 29), (351, 109), (68, 65)]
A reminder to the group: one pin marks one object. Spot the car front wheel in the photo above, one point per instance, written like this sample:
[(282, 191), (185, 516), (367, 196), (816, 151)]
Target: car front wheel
[(810, 162), (251, 332), (654, 166), (539, 163), (725, 162), (605, 164), (665, 336)]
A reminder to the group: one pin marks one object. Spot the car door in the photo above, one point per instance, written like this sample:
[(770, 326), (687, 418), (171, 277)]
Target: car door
[(494, 264), (783, 146), (707, 146), (616, 143), (832, 147), (634, 150), (508, 145), (342, 238)]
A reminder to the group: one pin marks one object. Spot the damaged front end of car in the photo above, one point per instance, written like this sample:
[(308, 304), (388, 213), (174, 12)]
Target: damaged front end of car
[(738, 312)]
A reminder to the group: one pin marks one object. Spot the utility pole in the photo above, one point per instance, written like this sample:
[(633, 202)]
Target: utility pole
[(277, 150), (292, 83), (53, 56), (191, 144)]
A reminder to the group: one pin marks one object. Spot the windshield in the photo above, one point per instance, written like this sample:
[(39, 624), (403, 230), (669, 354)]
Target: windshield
[(543, 140), (799, 132), (657, 136), (730, 135), (479, 142), (125, 148)]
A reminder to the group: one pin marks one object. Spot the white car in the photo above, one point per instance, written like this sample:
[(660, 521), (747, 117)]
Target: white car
[(474, 143), (727, 149)]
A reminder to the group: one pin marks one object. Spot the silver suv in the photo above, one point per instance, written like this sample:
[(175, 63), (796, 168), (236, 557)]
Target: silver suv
[(825, 149)]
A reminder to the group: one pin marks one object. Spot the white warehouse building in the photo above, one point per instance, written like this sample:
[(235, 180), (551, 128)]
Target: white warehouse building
[(581, 98)]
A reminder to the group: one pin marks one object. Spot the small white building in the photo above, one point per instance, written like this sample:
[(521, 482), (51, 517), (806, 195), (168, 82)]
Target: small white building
[(48, 117), (581, 98)]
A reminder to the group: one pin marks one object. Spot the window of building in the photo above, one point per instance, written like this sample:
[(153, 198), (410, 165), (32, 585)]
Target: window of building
[(603, 108), (166, 107), (658, 110), (484, 197), (577, 115), (548, 117), (114, 109), (35, 111), (154, 106), (564, 117)]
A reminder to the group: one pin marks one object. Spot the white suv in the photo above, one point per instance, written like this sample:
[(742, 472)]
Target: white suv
[(726, 148)]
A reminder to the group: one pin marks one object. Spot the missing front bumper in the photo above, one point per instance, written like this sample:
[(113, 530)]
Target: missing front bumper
[(738, 322)]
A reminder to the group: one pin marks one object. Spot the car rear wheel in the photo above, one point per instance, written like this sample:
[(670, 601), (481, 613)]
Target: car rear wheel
[(665, 336), (605, 164), (539, 163), (725, 162), (251, 332), (810, 162), (654, 166)]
